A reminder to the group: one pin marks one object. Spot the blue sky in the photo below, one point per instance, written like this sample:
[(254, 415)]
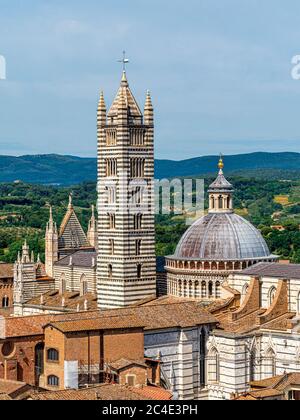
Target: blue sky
[(219, 72)]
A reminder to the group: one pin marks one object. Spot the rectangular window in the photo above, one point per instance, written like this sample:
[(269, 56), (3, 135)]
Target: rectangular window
[(111, 137), (138, 244), (137, 137), (137, 167), (111, 246), (137, 221), (112, 221), (111, 167)]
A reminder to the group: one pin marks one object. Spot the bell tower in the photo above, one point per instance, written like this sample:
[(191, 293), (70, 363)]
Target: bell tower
[(126, 270)]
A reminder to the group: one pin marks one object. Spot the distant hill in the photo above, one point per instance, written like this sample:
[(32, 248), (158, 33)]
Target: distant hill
[(68, 170), (252, 162)]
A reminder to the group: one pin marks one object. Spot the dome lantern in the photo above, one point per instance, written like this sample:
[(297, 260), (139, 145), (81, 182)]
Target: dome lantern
[(220, 193)]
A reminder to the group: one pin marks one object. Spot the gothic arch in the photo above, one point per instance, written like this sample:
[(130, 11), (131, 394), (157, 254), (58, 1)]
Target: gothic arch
[(270, 362), (218, 290), (62, 284), (245, 291), (213, 366), (83, 285), (271, 295)]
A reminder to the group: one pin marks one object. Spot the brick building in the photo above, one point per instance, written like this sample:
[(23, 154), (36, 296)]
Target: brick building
[(6, 285)]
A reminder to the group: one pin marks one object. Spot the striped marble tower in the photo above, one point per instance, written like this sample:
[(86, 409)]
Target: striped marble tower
[(126, 233)]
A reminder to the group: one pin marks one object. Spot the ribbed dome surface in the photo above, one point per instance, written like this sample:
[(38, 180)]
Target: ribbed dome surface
[(222, 236)]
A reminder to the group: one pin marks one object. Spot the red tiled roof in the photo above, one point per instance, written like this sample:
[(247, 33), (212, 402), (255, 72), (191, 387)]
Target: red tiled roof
[(153, 393), (100, 392), (6, 271)]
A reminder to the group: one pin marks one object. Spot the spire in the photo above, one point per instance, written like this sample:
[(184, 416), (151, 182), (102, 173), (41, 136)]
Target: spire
[(50, 225), (93, 212), (101, 111), (50, 215), (124, 81), (124, 100), (148, 110), (70, 205), (25, 253), (92, 234)]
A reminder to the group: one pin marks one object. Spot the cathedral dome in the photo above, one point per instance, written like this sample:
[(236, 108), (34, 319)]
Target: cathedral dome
[(221, 237)]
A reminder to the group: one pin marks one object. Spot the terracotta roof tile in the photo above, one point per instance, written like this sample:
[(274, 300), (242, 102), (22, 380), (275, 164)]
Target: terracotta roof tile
[(53, 299), (123, 363), (99, 323), (6, 271), (101, 392), (277, 270), (153, 393)]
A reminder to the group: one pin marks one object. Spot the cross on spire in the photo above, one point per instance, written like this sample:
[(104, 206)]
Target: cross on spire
[(124, 61)]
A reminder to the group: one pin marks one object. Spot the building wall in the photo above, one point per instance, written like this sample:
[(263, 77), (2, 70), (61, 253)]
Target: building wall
[(238, 282), (237, 367), (139, 374), (6, 291), (128, 344), (179, 353), (73, 276), (20, 365), (91, 350), (54, 339)]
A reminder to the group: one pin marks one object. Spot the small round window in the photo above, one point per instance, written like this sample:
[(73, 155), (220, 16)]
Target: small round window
[(8, 348)]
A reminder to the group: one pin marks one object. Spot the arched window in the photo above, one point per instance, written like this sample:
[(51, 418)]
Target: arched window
[(210, 289), (245, 291), (252, 367), (52, 355), (139, 271), (270, 363), (218, 290), (39, 362), (62, 284), (271, 295), (190, 291), (196, 289), (184, 288), (203, 289), (220, 200), (5, 302), (179, 288), (53, 380), (213, 368), (212, 205), (110, 270), (228, 202), (202, 358), (83, 285)]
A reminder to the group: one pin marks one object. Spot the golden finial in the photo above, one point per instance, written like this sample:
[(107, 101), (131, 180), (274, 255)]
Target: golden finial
[(221, 163)]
